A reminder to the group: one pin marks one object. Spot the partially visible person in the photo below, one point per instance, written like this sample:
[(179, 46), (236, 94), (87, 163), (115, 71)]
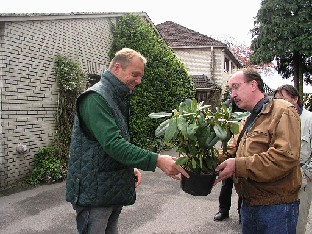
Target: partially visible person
[(227, 184), (264, 158), (290, 94), (103, 164)]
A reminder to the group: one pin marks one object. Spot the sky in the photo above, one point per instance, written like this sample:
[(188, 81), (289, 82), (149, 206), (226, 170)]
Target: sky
[(219, 19), (215, 18)]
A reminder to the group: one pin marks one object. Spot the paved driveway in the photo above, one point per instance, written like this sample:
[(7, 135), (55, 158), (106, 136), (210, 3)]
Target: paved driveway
[(161, 208)]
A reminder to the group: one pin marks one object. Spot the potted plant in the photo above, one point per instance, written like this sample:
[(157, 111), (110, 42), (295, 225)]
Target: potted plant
[(194, 130)]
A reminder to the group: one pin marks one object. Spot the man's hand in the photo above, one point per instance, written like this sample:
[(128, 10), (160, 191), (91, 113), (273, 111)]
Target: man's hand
[(168, 165), (138, 177), (225, 169)]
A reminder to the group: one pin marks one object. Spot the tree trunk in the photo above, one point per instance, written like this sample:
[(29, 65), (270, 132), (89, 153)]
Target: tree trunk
[(298, 72)]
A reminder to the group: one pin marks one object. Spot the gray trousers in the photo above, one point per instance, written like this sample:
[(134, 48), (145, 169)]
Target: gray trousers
[(305, 196), (95, 220)]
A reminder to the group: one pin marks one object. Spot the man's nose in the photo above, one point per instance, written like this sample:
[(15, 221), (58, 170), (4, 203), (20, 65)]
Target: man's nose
[(138, 80), (233, 94)]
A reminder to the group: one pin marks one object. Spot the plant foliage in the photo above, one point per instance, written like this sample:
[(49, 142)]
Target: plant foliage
[(282, 32), (51, 164), (48, 168), (72, 81), (166, 81), (194, 130)]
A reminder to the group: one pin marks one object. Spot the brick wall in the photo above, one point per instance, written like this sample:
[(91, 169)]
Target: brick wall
[(196, 60), (28, 86), (204, 61), (209, 62)]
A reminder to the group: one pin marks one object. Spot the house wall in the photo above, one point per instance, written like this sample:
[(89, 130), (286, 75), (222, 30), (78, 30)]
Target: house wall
[(29, 92), (207, 61), (196, 60)]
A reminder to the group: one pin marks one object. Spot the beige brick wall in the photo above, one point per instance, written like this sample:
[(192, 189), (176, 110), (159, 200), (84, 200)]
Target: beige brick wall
[(28, 86), (205, 61), (196, 60)]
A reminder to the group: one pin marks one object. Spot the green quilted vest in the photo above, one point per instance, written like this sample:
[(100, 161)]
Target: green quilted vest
[(94, 178)]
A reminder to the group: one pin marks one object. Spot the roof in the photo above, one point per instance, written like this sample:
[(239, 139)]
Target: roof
[(5, 17), (177, 35), (202, 81)]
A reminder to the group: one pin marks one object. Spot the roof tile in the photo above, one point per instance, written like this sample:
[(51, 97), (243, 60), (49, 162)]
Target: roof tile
[(177, 35)]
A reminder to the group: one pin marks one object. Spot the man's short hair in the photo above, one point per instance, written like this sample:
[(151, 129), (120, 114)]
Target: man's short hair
[(124, 57), (251, 74)]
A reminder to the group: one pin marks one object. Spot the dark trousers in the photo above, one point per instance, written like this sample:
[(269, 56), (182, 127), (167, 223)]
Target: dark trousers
[(94, 220), (225, 196)]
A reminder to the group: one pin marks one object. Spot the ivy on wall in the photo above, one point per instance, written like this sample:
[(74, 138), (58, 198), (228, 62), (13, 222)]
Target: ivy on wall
[(72, 81), (51, 161)]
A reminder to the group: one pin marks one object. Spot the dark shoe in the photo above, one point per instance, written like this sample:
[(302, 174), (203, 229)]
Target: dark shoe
[(220, 216)]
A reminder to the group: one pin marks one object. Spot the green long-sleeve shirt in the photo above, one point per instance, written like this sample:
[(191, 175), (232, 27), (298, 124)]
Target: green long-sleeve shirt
[(100, 124)]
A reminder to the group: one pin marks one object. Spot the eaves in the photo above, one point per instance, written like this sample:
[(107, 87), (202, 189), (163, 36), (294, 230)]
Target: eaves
[(196, 47), (12, 17)]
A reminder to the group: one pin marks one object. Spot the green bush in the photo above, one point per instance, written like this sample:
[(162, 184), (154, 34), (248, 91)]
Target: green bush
[(72, 81), (166, 81), (48, 168)]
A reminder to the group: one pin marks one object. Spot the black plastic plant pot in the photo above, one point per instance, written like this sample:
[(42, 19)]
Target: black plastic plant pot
[(198, 184)]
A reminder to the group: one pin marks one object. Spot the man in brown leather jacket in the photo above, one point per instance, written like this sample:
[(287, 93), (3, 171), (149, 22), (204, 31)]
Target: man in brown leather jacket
[(265, 166)]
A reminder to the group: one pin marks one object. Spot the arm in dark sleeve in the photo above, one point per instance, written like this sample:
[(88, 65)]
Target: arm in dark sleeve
[(99, 121)]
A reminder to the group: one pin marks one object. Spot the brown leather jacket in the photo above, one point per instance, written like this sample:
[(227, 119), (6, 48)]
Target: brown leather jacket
[(267, 159)]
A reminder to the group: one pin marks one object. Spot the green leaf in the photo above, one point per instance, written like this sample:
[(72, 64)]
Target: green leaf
[(194, 105), (238, 116), (220, 131), (201, 119), (160, 130), (191, 129), (202, 135), (159, 115), (234, 127), (182, 125), (209, 139), (181, 161), (171, 129), (185, 106), (213, 142), (193, 163)]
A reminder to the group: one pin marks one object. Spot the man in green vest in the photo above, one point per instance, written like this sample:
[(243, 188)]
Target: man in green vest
[(103, 164)]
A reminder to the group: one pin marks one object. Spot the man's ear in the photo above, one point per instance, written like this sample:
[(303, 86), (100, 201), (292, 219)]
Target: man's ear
[(115, 68), (254, 85)]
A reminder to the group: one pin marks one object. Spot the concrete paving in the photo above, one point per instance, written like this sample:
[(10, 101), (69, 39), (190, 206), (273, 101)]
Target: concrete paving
[(161, 208)]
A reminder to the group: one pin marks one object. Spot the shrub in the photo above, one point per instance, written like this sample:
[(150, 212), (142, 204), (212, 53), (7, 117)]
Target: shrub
[(166, 81), (48, 168), (72, 81)]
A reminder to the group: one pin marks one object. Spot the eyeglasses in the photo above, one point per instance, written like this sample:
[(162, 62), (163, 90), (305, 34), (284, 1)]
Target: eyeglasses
[(236, 86)]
